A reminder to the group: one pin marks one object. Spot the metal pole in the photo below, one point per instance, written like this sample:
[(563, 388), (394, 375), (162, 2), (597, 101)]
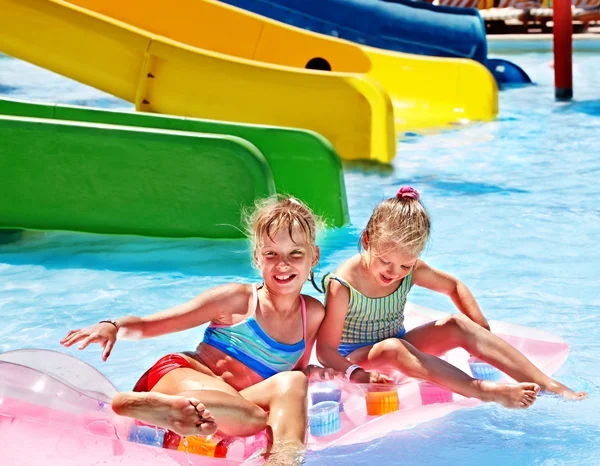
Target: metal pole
[(563, 50)]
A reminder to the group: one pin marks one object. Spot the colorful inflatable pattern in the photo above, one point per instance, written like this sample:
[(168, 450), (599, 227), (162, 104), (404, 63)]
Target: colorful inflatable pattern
[(55, 409)]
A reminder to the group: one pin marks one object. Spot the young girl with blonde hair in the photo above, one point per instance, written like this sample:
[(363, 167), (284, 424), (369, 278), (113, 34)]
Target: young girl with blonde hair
[(246, 374), (363, 331)]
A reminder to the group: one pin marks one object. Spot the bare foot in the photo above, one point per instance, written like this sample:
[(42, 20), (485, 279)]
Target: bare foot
[(517, 396), (186, 416), (562, 390)]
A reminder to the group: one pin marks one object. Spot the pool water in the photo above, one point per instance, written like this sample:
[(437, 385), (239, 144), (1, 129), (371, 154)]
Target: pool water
[(515, 212)]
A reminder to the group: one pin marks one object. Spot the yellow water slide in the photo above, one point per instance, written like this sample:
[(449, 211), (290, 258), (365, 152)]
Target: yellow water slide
[(426, 91), (162, 75)]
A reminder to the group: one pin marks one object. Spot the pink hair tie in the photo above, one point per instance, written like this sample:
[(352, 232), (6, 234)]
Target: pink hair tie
[(409, 192)]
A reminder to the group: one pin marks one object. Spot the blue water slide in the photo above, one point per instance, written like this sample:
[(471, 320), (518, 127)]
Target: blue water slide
[(402, 25)]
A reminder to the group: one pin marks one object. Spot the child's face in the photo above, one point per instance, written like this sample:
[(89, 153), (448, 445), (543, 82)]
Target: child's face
[(284, 264), (389, 264)]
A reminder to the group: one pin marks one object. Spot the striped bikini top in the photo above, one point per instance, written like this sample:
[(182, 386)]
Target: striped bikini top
[(370, 320), (247, 342)]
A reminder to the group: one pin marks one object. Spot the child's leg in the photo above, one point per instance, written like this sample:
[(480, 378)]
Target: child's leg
[(192, 403), (460, 331), (398, 354), (285, 397)]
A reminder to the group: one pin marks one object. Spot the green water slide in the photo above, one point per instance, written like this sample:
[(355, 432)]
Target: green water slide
[(64, 175), (74, 168)]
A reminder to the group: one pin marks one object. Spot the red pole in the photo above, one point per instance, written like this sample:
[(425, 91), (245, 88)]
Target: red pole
[(563, 50)]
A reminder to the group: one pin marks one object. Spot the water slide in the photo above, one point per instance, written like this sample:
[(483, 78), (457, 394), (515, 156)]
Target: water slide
[(299, 162), (406, 26), (65, 175), (161, 75), (421, 99)]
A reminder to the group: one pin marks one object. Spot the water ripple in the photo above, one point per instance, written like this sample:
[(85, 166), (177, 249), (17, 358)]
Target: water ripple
[(515, 216)]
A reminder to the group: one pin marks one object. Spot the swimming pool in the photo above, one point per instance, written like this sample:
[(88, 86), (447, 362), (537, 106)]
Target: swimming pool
[(515, 215)]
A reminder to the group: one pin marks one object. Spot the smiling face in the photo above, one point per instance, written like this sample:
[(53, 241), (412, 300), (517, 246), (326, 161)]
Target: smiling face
[(394, 237), (388, 264), (285, 260), (391, 267)]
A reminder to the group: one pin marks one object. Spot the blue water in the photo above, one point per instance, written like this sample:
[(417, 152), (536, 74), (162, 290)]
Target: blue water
[(515, 215)]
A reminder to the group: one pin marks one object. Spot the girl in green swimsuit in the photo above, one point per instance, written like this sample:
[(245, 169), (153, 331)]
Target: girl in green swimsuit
[(364, 330)]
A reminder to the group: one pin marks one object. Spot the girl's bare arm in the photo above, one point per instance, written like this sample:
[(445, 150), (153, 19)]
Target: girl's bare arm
[(217, 305), (444, 283), (330, 333)]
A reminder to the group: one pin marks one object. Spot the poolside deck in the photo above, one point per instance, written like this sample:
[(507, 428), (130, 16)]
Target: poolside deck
[(542, 42)]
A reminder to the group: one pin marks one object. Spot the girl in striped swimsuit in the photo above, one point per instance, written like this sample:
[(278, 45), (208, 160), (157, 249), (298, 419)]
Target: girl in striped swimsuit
[(364, 329), (246, 374)]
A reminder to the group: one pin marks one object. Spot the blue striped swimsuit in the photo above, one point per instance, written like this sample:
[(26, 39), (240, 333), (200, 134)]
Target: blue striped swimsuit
[(371, 320), (247, 342)]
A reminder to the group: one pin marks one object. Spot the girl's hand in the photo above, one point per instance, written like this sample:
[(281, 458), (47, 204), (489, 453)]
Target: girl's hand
[(323, 373), (362, 376), (103, 333)]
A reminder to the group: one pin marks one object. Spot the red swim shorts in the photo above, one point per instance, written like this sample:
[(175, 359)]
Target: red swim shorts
[(162, 367)]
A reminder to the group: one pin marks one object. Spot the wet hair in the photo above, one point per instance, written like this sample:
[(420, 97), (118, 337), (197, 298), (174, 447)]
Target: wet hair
[(276, 213), (399, 222)]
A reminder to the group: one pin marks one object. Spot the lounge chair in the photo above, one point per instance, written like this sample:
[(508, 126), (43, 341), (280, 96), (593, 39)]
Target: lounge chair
[(582, 10), (495, 10), (504, 10), (458, 3)]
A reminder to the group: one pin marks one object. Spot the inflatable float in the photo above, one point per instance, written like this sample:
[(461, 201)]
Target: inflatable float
[(55, 409)]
